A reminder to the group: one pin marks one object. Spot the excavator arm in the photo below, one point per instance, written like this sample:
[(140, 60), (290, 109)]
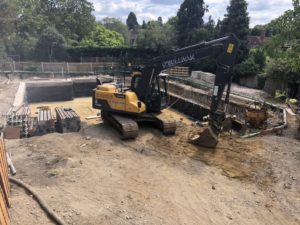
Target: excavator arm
[(224, 49)]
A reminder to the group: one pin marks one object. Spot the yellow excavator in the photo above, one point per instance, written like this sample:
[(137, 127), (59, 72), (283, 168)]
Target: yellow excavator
[(147, 96)]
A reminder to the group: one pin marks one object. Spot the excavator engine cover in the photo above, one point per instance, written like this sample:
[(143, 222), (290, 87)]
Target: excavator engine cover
[(208, 139)]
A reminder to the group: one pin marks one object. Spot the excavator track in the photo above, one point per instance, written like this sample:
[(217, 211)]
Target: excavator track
[(167, 126), (127, 127)]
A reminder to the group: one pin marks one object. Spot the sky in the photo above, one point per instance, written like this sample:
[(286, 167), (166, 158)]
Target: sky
[(260, 11)]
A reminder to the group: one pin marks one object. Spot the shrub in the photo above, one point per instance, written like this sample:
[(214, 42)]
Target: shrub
[(293, 101), (31, 68), (280, 94), (246, 69)]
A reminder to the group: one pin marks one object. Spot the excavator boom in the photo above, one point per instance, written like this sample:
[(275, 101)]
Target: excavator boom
[(225, 49)]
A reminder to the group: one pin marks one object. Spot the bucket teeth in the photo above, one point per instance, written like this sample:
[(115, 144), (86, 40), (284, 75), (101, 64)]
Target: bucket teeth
[(208, 139)]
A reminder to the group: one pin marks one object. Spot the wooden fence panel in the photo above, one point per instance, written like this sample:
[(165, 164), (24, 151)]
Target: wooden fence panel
[(4, 182), (4, 216), (4, 185)]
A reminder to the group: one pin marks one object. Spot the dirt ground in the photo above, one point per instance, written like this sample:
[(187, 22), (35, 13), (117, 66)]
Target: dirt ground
[(94, 178)]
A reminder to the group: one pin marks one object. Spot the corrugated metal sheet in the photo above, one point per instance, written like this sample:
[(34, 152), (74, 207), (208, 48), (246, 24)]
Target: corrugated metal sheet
[(4, 185)]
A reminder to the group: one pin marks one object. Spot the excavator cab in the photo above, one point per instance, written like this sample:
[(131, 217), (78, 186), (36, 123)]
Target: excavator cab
[(158, 96)]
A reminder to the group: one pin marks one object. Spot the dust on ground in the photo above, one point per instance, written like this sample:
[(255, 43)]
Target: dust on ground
[(93, 177)]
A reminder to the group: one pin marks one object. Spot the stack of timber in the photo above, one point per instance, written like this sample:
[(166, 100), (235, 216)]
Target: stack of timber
[(45, 121), (178, 71), (4, 185), (67, 120), (18, 121)]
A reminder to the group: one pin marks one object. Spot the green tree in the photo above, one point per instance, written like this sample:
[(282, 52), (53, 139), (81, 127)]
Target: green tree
[(28, 27), (131, 21), (237, 21), (7, 23), (72, 18), (284, 47), (190, 18), (50, 45), (204, 33), (8, 18), (259, 57), (102, 37), (256, 31), (160, 20), (118, 26), (160, 38), (144, 25), (245, 69)]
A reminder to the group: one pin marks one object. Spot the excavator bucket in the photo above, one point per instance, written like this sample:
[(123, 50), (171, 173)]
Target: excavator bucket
[(207, 139)]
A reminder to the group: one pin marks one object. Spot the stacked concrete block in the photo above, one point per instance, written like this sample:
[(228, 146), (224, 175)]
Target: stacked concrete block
[(178, 71), (67, 120), (203, 77)]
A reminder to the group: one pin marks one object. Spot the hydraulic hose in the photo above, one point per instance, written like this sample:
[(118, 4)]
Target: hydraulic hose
[(52, 215)]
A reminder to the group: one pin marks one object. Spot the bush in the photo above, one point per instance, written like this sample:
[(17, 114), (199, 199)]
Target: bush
[(31, 68), (280, 69), (246, 69), (280, 94), (293, 101), (259, 58), (74, 53)]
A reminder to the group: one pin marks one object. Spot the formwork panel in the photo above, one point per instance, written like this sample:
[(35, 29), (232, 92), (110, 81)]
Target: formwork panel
[(4, 216), (4, 185), (4, 182)]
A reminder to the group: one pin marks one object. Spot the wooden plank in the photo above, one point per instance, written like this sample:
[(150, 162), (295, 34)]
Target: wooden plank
[(4, 182), (6, 170), (4, 216), (178, 71)]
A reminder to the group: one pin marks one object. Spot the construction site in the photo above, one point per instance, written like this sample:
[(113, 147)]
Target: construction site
[(181, 112), (82, 170)]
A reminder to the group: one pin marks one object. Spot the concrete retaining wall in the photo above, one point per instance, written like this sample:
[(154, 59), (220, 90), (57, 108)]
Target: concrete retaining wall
[(203, 77), (83, 87), (195, 97), (49, 91), (272, 85), (250, 82)]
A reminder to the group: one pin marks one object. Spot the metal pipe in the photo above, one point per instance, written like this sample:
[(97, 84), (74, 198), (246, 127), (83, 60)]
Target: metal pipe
[(274, 129), (13, 170)]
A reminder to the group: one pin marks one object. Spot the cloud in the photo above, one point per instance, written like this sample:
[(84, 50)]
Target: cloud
[(260, 12)]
